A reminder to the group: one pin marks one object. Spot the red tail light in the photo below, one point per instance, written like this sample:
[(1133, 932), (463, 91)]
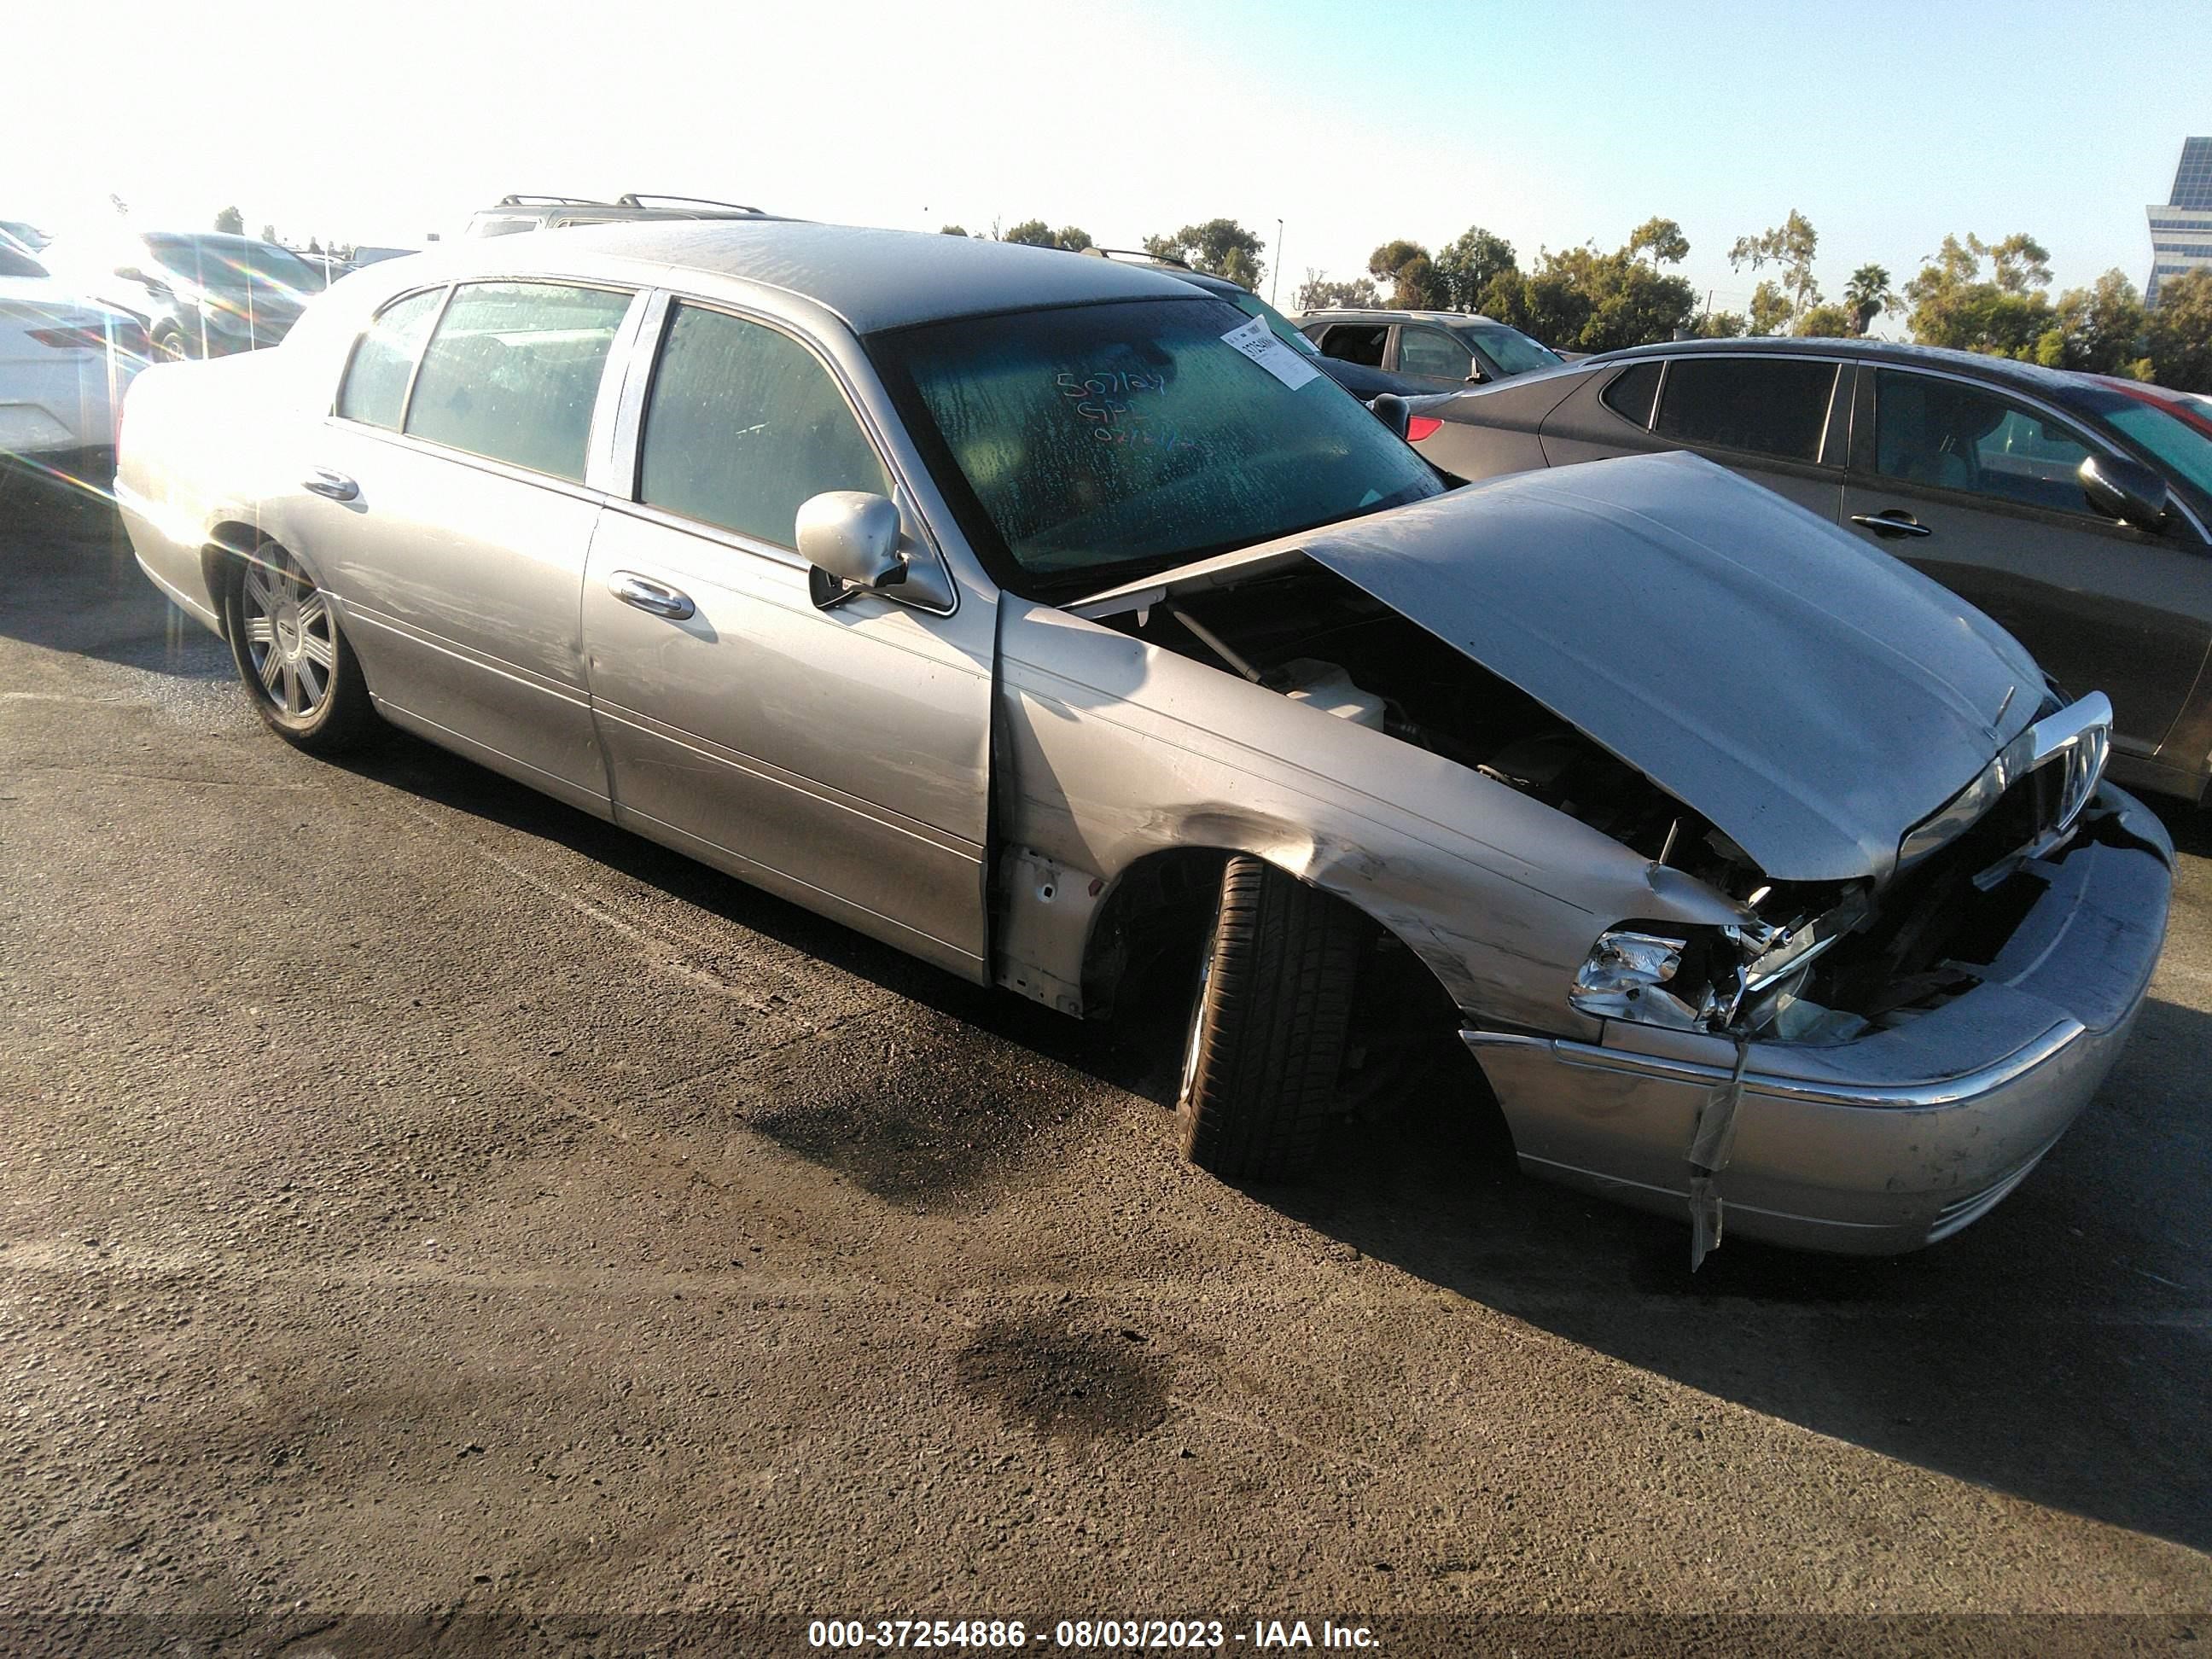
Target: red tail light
[(1418, 427)]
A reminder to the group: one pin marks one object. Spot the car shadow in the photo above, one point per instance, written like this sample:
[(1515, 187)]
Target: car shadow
[(2054, 1351), (1126, 1054), (74, 584)]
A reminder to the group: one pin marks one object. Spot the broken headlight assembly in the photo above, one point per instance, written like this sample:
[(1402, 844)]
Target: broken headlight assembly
[(1743, 978)]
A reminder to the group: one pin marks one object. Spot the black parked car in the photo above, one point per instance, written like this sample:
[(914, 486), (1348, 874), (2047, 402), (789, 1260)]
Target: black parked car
[(2072, 508)]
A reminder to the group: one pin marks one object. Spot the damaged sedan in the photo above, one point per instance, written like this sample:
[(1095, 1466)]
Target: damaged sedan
[(1051, 620)]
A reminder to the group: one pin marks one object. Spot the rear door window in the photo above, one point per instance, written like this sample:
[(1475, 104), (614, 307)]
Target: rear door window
[(743, 425), (1355, 343), (513, 372), (1775, 406), (375, 386)]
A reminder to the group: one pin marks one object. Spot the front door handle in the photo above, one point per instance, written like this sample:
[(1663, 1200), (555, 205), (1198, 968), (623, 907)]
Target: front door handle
[(323, 481), (646, 594), (1895, 522)]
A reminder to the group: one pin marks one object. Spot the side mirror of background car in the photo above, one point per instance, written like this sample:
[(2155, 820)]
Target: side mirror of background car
[(2124, 490), (1475, 376), (851, 537), (1393, 412)]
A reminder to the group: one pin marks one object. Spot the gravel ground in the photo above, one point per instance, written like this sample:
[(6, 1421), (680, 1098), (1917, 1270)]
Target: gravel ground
[(419, 1198)]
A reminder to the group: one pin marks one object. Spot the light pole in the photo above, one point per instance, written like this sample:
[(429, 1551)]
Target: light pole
[(1275, 288)]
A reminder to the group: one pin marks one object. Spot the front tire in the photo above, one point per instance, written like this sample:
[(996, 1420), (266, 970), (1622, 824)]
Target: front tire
[(1266, 1047), (303, 676)]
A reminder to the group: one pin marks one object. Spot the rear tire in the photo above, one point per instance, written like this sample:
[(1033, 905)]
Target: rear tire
[(1266, 1047), (302, 676)]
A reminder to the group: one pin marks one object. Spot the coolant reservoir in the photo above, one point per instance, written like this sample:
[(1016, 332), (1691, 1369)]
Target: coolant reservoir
[(1325, 686)]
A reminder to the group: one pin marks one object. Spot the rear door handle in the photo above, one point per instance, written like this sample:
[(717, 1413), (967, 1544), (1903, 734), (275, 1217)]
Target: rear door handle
[(336, 485), (1895, 522), (648, 595)]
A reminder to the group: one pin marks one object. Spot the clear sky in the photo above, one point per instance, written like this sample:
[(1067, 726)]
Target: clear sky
[(1886, 124)]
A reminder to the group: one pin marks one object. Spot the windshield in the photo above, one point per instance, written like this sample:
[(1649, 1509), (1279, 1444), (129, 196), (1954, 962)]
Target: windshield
[(1514, 352), (2166, 434), (1285, 331), (1101, 443), (234, 265)]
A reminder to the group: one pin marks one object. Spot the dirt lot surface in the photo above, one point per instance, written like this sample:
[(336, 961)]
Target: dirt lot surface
[(421, 1199)]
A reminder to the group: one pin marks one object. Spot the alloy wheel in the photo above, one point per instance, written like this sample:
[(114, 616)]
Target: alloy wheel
[(291, 640)]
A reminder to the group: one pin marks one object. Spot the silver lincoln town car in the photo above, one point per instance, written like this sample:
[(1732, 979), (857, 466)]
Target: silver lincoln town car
[(1054, 621)]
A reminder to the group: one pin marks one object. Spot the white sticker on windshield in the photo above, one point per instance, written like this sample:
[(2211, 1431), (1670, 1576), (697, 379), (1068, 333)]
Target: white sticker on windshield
[(1258, 342)]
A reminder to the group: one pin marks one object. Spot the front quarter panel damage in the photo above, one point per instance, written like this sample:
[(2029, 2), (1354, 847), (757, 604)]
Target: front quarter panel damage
[(1111, 750)]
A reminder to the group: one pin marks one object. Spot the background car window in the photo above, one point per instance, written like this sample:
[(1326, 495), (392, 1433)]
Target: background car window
[(1428, 351), (1629, 393), (13, 263), (513, 371), (375, 385), (1513, 351), (1355, 343), (1940, 432), (744, 425), (1770, 406)]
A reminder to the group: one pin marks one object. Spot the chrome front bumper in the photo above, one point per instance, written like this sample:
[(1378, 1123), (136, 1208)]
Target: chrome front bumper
[(1897, 1139)]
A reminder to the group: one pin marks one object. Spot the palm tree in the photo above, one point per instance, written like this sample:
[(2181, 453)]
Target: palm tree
[(1868, 294)]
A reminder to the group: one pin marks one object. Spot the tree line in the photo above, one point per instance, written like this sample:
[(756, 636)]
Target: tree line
[(1582, 298)]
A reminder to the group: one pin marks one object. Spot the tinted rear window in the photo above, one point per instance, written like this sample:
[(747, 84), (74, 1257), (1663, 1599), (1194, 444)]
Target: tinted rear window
[(1774, 406), (1629, 393), (1355, 343)]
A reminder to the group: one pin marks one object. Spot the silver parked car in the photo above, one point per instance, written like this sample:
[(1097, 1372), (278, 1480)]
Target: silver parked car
[(1046, 617)]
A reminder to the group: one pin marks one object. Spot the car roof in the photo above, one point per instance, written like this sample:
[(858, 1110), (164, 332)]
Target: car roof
[(2004, 371), (873, 279)]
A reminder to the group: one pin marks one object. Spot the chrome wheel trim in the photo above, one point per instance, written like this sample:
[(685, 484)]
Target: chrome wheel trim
[(291, 640)]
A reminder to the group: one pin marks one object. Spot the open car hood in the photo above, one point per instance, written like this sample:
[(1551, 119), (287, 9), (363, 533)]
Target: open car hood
[(1811, 696)]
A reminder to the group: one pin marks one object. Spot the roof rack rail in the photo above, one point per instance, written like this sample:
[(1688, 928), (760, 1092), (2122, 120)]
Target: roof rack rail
[(1137, 254), (633, 199), (557, 201)]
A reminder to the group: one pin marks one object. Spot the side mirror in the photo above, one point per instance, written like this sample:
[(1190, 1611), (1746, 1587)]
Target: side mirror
[(1393, 412), (2124, 490), (851, 537), (1475, 376)]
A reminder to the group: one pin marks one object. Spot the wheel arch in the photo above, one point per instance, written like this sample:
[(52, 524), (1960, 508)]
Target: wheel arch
[(224, 553), (1149, 901)]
